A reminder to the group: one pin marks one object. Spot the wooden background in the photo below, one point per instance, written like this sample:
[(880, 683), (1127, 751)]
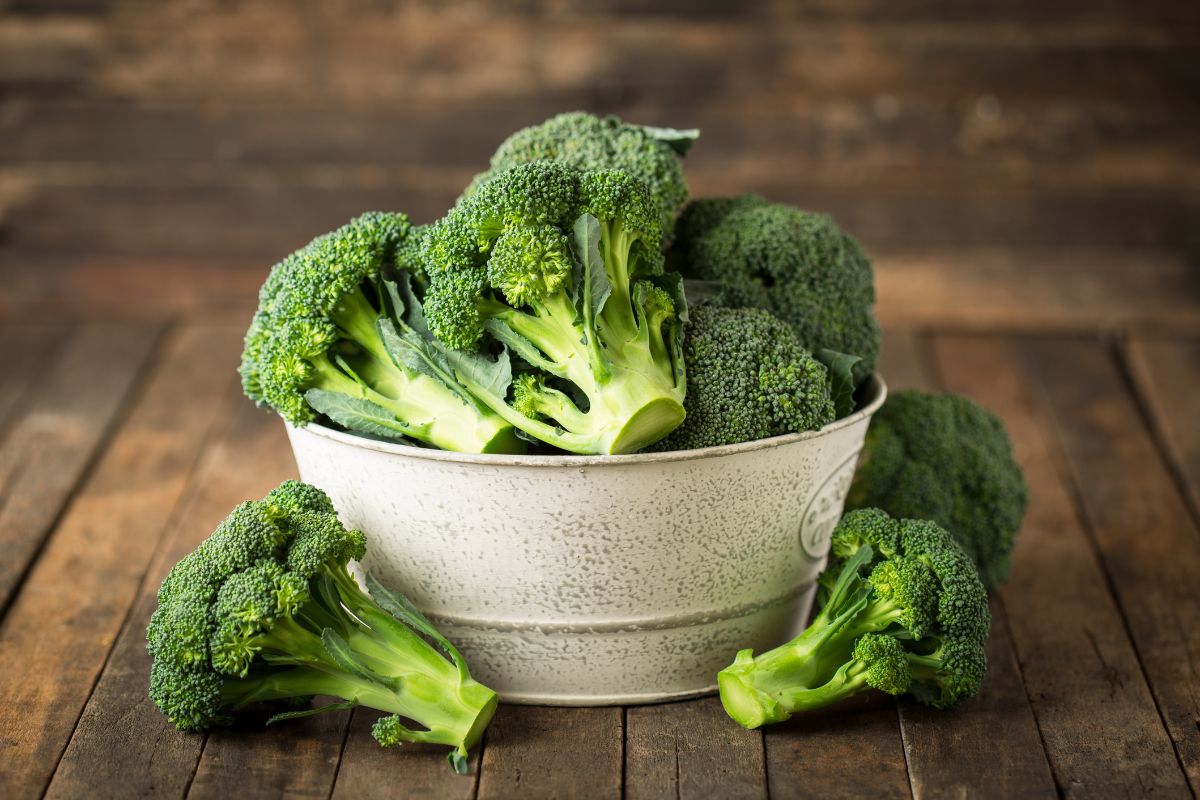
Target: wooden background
[(1025, 173)]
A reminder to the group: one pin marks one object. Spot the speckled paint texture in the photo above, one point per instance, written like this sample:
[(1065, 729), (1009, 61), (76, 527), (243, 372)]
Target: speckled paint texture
[(576, 580)]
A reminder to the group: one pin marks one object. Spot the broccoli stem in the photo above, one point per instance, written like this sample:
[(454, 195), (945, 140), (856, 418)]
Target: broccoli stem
[(632, 401), (431, 411), (393, 669)]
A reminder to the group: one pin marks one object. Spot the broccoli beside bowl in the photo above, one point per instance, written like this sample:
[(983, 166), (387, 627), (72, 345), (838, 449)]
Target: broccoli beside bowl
[(593, 580)]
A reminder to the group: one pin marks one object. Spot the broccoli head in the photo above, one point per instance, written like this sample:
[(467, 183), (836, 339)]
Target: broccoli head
[(747, 378), (564, 268), (265, 610), (945, 458), (582, 140), (902, 610), (334, 335), (798, 265)]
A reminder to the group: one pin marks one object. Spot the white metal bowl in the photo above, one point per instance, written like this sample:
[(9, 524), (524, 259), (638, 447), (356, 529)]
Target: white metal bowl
[(596, 580)]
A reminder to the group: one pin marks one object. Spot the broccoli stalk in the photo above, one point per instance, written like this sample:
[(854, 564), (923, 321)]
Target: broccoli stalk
[(266, 610), (904, 611), (563, 268), (330, 337)]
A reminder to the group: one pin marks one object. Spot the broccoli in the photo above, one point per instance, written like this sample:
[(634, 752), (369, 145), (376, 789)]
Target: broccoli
[(797, 265), (330, 337), (265, 610), (563, 267), (747, 378), (588, 142), (945, 458), (903, 611)]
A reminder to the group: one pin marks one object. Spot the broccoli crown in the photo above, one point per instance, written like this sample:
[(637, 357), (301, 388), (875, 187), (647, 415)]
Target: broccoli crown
[(798, 265), (295, 324), (264, 609), (589, 142), (563, 267), (511, 236), (748, 378), (903, 610), (331, 336), (945, 458)]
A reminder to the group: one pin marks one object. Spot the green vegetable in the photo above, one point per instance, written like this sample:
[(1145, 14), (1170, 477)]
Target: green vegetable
[(797, 265), (579, 139), (748, 378), (564, 268), (265, 610), (329, 337), (945, 458), (903, 611)]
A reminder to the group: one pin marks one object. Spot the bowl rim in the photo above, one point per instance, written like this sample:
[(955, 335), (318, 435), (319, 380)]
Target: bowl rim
[(876, 388)]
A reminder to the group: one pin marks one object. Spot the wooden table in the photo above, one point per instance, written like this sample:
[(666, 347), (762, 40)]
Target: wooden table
[(1026, 179)]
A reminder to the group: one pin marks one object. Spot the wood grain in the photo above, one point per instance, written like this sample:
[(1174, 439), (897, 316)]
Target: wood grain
[(1167, 373), (69, 412), (62, 625), (687, 749), (1069, 636), (297, 759), (850, 750), (28, 348), (413, 771), (1146, 537), (989, 746), (540, 752), (123, 746)]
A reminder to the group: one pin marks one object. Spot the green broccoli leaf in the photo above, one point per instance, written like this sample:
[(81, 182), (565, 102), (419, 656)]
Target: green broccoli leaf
[(680, 141), (357, 414), (841, 377), (311, 712)]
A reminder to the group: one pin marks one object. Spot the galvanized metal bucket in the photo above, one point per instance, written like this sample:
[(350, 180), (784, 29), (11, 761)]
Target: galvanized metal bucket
[(596, 580)]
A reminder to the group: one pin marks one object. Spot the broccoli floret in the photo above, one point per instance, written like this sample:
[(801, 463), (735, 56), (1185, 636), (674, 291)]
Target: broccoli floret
[(903, 612), (747, 378), (265, 610), (579, 139), (562, 267), (945, 458), (333, 336), (798, 265)]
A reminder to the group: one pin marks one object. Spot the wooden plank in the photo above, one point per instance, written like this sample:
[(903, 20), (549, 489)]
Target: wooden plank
[(903, 138), (1167, 374), (1094, 710), (1037, 288), (28, 347), (989, 746), (416, 771), (541, 752), (862, 736), (298, 759), (691, 749), (122, 746), (1145, 535), (205, 55), (224, 215), (62, 625), (49, 448), (848, 751)]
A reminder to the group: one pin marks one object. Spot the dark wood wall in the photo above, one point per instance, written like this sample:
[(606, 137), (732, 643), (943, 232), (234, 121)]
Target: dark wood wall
[(1009, 164)]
